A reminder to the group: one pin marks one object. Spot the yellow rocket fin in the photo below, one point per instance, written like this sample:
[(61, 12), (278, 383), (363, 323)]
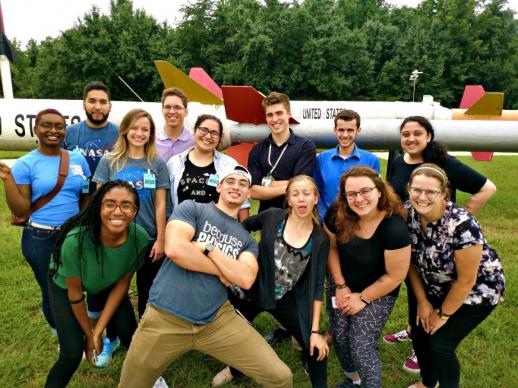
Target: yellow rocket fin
[(173, 77), (490, 104)]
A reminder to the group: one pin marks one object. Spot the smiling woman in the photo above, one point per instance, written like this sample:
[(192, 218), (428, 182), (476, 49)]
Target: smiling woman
[(97, 252), (35, 176)]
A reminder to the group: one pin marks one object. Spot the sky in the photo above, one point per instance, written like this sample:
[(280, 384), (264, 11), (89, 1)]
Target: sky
[(38, 19)]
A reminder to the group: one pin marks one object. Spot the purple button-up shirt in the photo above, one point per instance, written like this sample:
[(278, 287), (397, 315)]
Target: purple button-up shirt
[(167, 147)]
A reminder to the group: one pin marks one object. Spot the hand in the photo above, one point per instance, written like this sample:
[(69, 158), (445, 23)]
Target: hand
[(354, 305), (342, 297), (424, 313), (316, 341), (436, 322), (224, 280), (5, 171), (157, 251), (89, 349)]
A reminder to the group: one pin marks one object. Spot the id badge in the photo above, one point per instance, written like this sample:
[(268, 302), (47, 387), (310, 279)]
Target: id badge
[(213, 180), (85, 185), (267, 181), (149, 180)]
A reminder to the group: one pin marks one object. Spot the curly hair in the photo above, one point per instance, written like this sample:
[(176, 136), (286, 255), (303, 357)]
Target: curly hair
[(434, 152), (347, 220), (89, 223)]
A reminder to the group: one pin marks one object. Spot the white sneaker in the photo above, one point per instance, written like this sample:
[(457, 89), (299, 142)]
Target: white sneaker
[(160, 383)]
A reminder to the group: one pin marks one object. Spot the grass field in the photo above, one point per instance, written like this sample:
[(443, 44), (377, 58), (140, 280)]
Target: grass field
[(488, 356)]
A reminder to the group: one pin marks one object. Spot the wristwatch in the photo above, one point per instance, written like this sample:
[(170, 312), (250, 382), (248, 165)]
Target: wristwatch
[(441, 315), (209, 247)]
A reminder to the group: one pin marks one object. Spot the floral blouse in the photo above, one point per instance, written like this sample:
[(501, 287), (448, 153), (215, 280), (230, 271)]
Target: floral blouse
[(433, 255)]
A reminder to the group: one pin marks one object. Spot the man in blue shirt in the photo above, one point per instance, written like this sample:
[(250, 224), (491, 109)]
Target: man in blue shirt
[(94, 136), (331, 164)]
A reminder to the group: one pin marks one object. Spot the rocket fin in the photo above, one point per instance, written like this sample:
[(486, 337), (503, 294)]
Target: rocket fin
[(205, 80), (472, 93), (490, 104), (244, 105), (173, 77)]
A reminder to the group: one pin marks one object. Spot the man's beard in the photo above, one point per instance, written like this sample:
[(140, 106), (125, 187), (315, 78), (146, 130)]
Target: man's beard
[(97, 121)]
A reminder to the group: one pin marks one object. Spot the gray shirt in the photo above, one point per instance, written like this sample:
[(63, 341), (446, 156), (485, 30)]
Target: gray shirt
[(196, 296)]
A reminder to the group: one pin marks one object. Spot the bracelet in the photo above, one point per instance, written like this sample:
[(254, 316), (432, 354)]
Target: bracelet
[(316, 332), (441, 315), (341, 286), (77, 301), (363, 299)]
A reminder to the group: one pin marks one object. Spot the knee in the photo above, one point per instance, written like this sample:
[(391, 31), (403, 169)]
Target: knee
[(70, 361), (441, 350), (283, 376)]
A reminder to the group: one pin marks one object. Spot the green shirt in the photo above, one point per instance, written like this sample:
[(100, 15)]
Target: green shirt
[(98, 273)]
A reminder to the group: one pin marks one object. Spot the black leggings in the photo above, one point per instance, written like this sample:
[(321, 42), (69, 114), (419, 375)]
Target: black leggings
[(436, 353), (145, 276), (287, 315), (71, 337)]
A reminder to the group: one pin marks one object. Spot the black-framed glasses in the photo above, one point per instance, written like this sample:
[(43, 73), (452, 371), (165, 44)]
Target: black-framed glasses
[(364, 193), (417, 192), (125, 207), (49, 125), (204, 131)]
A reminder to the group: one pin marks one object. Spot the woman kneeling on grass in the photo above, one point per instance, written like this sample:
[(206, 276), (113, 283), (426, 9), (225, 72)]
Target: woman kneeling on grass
[(369, 257), (456, 276), (290, 283), (98, 251)]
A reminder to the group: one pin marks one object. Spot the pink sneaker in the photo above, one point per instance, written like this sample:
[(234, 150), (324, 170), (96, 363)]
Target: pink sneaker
[(400, 336), (411, 365)]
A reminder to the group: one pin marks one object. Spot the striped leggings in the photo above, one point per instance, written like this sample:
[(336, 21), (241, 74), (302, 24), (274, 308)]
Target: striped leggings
[(356, 339)]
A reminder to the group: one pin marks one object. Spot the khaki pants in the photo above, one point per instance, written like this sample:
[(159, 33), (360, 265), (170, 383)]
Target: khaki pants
[(162, 337)]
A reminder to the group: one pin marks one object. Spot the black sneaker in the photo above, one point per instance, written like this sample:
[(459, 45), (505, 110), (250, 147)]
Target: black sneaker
[(277, 336)]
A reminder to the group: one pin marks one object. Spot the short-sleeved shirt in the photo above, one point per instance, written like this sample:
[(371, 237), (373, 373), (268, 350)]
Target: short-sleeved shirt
[(167, 147), (41, 173), (93, 143), (433, 254), (133, 173), (362, 261), (461, 177), (196, 296), (102, 270), (298, 158), (329, 168)]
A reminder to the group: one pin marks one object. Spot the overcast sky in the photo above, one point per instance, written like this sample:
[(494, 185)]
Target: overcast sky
[(37, 19)]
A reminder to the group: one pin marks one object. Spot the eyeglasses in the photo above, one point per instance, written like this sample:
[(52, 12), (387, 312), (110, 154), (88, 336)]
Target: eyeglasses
[(125, 207), (364, 193), (48, 125), (416, 192), (204, 131), (176, 108)]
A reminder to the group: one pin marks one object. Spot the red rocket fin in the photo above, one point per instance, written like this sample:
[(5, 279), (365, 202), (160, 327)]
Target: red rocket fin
[(173, 77), (479, 103), (244, 105)]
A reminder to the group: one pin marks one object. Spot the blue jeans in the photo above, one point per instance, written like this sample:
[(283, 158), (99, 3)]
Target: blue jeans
[(37, 245)]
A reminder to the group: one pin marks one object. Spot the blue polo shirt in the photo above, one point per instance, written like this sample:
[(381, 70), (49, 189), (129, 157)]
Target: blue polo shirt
[(298, 159), (329, 168)]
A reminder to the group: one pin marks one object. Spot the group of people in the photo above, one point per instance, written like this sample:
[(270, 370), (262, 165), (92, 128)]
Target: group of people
[(202, 278)]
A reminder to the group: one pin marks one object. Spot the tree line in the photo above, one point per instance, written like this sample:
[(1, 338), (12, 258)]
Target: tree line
[(312, 49)]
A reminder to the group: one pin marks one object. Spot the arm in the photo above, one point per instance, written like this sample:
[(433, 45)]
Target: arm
[(244, 213), (186, 253), (241, 272), (18, 197), (424, 307), (333, 264), (478, 200), (157, 251), (117, 294), (316, 340), (467, 262), (276, 189), (75, 293), (397, 262)]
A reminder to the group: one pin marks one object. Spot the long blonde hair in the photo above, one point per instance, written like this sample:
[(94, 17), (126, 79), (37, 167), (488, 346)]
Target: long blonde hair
[(313, 185), (119, 153)]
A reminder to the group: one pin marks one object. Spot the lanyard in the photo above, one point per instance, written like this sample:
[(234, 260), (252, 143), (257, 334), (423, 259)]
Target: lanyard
[(278, 159)]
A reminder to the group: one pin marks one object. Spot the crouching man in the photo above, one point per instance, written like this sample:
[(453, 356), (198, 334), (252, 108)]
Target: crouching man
[(188, 308)]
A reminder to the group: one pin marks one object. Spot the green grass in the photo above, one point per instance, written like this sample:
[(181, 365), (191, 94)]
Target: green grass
[(488, 355)]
